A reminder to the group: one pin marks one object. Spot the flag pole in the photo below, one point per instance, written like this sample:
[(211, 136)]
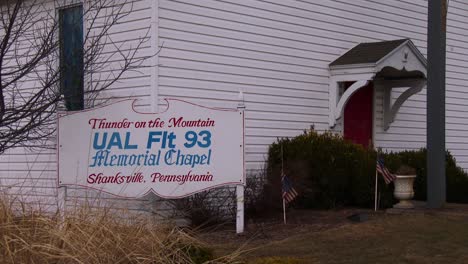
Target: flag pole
[(282, 174), (379, 199), (284, 211), (375, 196)]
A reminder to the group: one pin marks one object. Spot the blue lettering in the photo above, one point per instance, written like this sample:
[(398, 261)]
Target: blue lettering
[(168, 157), (96, 138), (127, 142), (206, 137), (115, 141), (152, 138)]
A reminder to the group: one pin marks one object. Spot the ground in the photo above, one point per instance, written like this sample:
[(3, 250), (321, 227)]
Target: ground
[(423, 236)]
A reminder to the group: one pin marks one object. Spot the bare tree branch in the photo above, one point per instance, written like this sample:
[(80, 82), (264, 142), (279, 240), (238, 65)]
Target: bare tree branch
[(30, 68)]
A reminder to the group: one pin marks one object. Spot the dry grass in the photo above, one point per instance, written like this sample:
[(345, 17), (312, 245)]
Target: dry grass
[(411, 238), (88, 236)]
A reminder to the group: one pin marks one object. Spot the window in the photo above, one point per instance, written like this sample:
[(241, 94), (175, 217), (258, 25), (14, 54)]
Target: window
[(71, 57)]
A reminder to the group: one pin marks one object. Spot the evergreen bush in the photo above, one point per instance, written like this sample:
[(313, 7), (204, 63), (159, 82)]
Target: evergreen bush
[(331, 172)]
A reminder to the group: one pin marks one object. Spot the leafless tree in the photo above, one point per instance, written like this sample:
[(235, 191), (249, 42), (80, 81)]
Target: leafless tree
[(31, 72)]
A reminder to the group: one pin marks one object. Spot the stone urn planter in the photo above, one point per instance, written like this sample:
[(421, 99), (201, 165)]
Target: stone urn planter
[(404, 187)]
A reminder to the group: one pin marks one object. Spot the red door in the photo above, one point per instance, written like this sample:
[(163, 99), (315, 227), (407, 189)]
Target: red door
[(358, 117)]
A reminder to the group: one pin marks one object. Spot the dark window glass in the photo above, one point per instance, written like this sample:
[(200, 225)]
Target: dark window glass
[(71, 57)]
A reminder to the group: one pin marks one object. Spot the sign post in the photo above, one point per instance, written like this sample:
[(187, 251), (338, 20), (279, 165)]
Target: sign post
[(240, 187), (61, 190)]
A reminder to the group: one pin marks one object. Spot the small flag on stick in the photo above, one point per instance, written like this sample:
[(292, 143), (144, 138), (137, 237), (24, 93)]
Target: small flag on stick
[(289, 193), (388, 177)]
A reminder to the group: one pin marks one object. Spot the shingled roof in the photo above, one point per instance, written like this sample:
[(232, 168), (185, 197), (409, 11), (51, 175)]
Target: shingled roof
[(368, 52)]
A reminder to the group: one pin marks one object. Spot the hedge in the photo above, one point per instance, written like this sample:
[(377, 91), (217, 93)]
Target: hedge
[(331, 172)]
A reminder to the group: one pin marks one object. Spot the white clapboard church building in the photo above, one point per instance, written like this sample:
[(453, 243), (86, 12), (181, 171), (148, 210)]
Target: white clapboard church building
[(357, 68)]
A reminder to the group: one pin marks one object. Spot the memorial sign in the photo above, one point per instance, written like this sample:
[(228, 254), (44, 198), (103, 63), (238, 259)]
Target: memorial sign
[(183, 150)]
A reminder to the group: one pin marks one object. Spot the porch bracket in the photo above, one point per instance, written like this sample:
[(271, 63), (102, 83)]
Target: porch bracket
[(346, 96), (390, 111)]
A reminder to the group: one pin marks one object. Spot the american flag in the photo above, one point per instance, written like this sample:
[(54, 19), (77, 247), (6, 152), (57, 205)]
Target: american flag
[(388, 177), (289, 193)]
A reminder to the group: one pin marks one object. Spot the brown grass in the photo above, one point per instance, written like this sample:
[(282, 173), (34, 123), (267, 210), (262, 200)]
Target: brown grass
[(408, 238), (90, 236)]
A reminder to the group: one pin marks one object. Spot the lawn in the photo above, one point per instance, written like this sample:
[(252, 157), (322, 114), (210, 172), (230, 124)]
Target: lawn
[(426, 236), (328, 237)]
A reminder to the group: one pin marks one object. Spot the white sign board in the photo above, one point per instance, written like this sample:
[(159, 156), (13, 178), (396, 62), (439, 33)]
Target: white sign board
[(176, 153)]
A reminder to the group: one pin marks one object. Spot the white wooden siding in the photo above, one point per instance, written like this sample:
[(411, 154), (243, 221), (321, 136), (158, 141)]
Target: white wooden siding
[(277, 52), (30, 176)]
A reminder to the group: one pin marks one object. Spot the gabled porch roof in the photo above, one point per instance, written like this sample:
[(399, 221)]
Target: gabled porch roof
[(390, 64)]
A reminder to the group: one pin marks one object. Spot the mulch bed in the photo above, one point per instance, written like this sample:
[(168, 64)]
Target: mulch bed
[(258, 231), (270, 229)]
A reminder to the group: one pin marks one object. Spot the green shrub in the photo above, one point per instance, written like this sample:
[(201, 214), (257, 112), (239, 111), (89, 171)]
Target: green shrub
[(457, 179), (457, 182), (330, 172), (324, 168)]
